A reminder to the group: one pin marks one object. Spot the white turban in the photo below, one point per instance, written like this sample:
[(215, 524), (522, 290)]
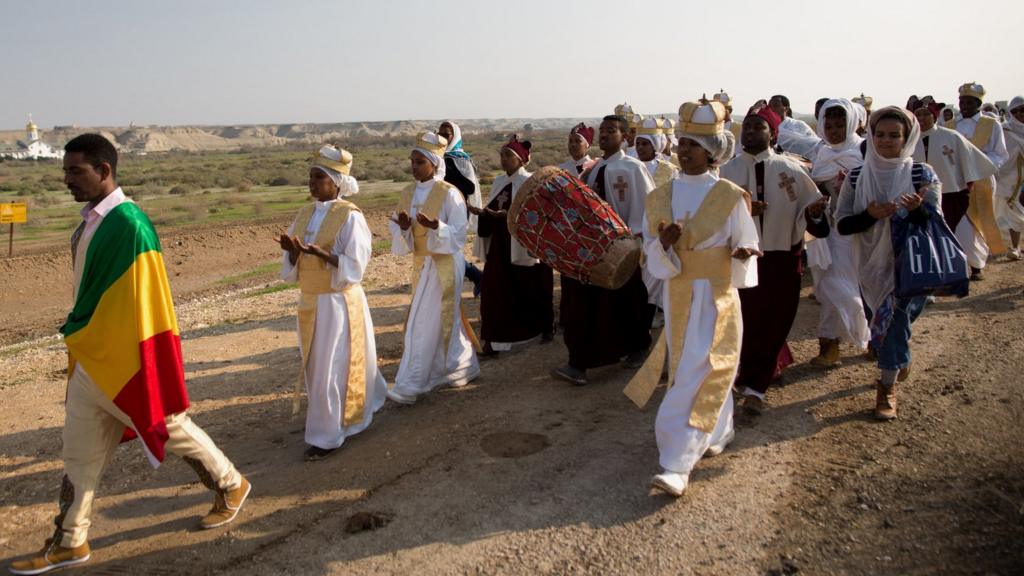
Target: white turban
[(720, 146), (330, 158)]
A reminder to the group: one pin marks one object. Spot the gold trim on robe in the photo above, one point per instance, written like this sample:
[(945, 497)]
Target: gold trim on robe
[(315, 279), (444, 263), (714, 265), (981, 210)]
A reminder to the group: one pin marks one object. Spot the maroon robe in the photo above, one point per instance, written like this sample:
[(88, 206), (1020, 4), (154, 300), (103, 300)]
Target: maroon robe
[(516, 302)]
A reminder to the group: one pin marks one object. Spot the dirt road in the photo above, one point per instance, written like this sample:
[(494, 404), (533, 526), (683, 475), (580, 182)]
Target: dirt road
[(519, 474)]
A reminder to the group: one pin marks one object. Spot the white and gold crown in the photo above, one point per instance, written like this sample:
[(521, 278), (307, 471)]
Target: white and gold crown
[(702, 118), (431, 142), (973, 89), (337, 159), (650, 125)]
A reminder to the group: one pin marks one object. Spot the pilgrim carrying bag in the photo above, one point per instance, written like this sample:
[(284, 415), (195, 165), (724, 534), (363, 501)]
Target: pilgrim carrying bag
[(927, 256)]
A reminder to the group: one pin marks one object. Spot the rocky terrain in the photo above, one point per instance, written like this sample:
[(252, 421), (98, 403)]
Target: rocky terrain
[(517, 473)]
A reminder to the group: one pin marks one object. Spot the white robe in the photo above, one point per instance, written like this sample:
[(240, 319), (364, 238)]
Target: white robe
[(425, 364), (1010, 215), (679, 444), (797, 137), (326, 373), (635, 183), (571, 165), (973, 244)]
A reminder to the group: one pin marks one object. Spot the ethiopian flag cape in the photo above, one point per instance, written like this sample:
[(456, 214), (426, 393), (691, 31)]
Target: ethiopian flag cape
[(122, 329)]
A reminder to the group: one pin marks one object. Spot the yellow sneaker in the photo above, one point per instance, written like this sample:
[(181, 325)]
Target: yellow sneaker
[(226, 505), (51, 557)]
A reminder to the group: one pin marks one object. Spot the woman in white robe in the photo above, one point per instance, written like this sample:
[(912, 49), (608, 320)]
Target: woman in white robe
[(326, 374), (842, 316), (1009, 180), (426, 363), (889, 185)]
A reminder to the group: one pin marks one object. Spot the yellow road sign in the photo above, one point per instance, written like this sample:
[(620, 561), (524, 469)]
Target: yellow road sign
[(13, 213)]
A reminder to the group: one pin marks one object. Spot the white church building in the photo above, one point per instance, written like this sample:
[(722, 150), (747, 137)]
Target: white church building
[(32, 147)]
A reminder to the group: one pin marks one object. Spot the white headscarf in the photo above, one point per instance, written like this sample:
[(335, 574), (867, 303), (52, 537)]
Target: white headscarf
[(941, 120), (1012, 124), (656, 140), (456, 141), (831, 159), (347, 185), (437, 161), (882, 180), (862, 113), (720, 146)]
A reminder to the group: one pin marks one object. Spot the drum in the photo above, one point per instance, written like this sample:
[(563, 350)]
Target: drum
[(568, 227)]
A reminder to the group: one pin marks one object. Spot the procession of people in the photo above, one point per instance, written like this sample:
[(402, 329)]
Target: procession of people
[(723, 219)]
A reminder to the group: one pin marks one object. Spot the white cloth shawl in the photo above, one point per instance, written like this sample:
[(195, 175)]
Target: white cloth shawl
[(830, 159), (881, 180)]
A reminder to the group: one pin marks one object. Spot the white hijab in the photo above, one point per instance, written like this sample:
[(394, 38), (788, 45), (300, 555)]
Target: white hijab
[(437, 161), (882, 180), (1016, 127), (831, 159), (347, 185)]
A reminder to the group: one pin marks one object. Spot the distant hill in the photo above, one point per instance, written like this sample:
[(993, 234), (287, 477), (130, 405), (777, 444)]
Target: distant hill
[(146, 139)]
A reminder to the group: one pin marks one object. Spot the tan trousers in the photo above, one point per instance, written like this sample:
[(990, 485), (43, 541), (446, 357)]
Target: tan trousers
[(92, 430)]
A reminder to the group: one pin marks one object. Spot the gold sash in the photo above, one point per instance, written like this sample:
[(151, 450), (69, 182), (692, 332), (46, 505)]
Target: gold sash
[(444, 263), (714, 265), (980, 210), (663, 174), (315, 279)]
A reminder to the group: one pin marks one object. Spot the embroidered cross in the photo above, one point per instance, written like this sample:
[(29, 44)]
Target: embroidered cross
[(948, 153), (621, 187), (786, 182)]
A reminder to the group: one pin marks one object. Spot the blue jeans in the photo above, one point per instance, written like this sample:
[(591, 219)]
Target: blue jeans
[(894, 353)]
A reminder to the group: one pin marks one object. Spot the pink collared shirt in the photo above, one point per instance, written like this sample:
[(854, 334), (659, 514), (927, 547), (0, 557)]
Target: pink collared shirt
[(92, 216)]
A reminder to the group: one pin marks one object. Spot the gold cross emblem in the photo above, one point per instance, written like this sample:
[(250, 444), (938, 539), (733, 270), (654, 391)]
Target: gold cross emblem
[(948, 153), (621, 187), (786, 183)]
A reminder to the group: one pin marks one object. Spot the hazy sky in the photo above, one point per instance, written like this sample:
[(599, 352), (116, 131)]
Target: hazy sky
[(108, 62)]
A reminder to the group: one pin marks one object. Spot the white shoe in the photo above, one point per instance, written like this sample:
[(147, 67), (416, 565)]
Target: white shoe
[(716, 449), (1013, 254), (400, 398), (671, 482)]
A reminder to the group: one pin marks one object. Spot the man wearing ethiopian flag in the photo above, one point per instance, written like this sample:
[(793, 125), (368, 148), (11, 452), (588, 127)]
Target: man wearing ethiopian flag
[(126, 375)]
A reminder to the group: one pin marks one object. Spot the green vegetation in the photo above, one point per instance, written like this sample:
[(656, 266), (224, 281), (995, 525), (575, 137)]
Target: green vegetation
[(273, 288), (261, 270), (182, 189)]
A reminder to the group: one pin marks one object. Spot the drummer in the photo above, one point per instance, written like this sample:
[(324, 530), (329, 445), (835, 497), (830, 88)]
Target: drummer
[(602, 326), (430, 222), (698, 238), (516, 302)]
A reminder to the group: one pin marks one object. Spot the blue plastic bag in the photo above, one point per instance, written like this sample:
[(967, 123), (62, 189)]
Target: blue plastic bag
[(928, 258)]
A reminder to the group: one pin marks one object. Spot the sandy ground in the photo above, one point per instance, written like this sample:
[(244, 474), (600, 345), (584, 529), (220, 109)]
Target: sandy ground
[(520, 474)]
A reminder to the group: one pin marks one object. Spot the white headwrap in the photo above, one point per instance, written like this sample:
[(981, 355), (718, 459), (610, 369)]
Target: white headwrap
[(720, 146), (436, 159), (862, 113), (882, 180), (330, 155), (456, 139), (347, 185), (657, 139), (831, 159), (1012, 124)]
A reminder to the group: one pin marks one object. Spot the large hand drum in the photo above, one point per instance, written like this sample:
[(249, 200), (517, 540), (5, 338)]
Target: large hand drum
[(568, 227)]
